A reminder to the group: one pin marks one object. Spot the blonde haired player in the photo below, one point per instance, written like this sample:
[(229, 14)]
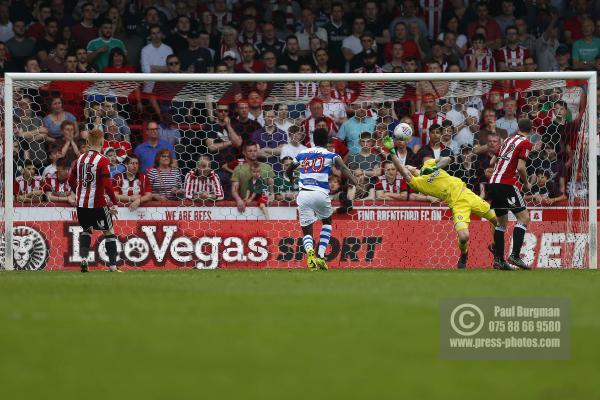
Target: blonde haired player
[(432, 180), (90, 176)]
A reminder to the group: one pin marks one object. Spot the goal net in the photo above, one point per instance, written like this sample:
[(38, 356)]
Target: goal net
[(198, 161)]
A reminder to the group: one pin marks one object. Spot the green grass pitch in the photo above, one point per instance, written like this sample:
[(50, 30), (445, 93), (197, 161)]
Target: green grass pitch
[(275, 334)]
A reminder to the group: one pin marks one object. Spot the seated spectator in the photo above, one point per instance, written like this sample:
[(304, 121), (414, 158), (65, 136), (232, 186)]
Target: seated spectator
[(195, 58), (154, 55), (55, 118), (452, 27), (284, 189), (479, 58), (404, 153), (164, 179), (434, 149), (53, 155), (512, 56), (20, 46), (291, 59), (351, 130), (488, 127), (249, 64), (367, 161), (270, 140), (422, 121), (29, 187), (544, 190), (509, 121), (369, 63), (255, 112), (132, 187), (146, 151), (202, 183), (258, 190), (295, 146), (483, 162), (390, 185), (316, 112), (229, 45), (410, 48), (269, 42), (57, 187), (269, 60), (222, 141), (397, 58), (242, 174), (69, 150), (587, 48), (494, 35), (55, 62), (117, 62), (113, 140), (243, 125), (448, 133), (332, 108), (99, 48), (31, 129), (116, 167), (321, 61), (282, 117)]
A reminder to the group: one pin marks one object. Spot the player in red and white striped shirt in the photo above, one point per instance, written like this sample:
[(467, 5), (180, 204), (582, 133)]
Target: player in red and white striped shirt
[(479, 58), (29, 186), (57, 186), (510, 160), (203, 183), (133, 187), (90, 176), (512, 56), (391, 186)]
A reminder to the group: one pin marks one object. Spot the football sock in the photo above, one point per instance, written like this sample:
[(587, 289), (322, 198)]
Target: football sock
[(518, 237), (307, 242), (499, 242), (85, 241), (463, 246), (111, 249), (324, 240)]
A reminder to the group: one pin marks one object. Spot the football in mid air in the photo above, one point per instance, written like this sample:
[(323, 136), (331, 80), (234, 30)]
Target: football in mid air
[(403, 132)]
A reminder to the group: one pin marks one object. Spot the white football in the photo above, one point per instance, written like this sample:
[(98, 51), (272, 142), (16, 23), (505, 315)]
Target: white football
[(403, 132)]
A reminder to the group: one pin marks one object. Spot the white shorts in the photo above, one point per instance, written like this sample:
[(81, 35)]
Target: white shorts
[(313, 206)]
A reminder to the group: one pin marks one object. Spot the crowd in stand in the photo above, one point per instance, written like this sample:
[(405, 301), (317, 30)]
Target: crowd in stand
[(237, 147)]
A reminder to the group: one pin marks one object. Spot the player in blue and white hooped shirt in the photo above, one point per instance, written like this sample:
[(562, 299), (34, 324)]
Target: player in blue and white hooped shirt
[(314, 165)]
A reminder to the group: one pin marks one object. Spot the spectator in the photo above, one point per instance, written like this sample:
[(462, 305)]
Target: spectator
[(587, 48), (573, 27), (321, 61), (55, 62), (31, 129), (229, 58), (526, 39), (369, 63), (85, 31), (367, 162), (99, 48), (351, 45), (397, 59), (53, 153), (453, 55), (222, 141), (282, 117), (452, 26), (546, 47), (390, 185), (270, 140), (562, 61), (494, 34), (488, 127), (195, 58), (411, 48), (82, 61), (409, 16), (243, 125), (248, 63), (20, 46), (269, 42), (53, 121), (45, 45), (512, 56), (316, 111), (164, 179), (529, 64), (422, 121), (242, 175), (29, 187), (69, 150), (229, 43), (337, 31), (434, 149), (116, 167), (465, 120), (154, 55), (179, 39), (507, 18), (448, 133), (484, 158), (202, 183), (509, 121), (132, 187), (479, 58), (544, 191), (258, 190), (284, 189), (146, 151), (309, 30), (295, 146), (291, 58), (6, 26), (221, 15), (351, 130), (36, 30), (332, 108), (57, 187), (463, 168), (269, 60), (117, 62), (248, 31)]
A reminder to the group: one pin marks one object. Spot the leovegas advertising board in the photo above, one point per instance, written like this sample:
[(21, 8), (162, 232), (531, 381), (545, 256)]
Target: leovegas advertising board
[(221, 237)]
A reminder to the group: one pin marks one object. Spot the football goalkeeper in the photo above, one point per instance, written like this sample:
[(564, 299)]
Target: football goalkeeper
[(432, 180)]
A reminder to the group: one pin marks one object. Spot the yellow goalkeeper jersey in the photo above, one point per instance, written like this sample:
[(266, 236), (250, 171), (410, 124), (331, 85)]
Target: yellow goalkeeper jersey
[(439, 184)]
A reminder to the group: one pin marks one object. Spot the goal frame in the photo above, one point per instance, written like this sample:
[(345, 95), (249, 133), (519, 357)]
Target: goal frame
[(11, 77)]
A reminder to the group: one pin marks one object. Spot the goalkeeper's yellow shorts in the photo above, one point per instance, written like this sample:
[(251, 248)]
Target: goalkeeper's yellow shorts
[(468, 203)]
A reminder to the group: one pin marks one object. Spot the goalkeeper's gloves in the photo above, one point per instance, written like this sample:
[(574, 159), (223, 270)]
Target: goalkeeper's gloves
[(388, 143)]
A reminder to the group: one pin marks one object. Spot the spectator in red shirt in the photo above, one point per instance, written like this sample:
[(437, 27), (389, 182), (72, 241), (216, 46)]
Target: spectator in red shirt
[(29, 186), (132, 187), (117, 62), (85, 31), (249, 64), (410, 47), (572, 27), (494, 35), (57, 187), (390, 185), (512, 56)]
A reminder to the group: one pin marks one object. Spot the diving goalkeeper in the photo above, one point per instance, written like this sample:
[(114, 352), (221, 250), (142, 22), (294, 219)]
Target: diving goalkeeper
[(432, 180)]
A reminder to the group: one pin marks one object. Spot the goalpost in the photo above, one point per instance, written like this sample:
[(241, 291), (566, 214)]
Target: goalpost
[(208, 233)]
